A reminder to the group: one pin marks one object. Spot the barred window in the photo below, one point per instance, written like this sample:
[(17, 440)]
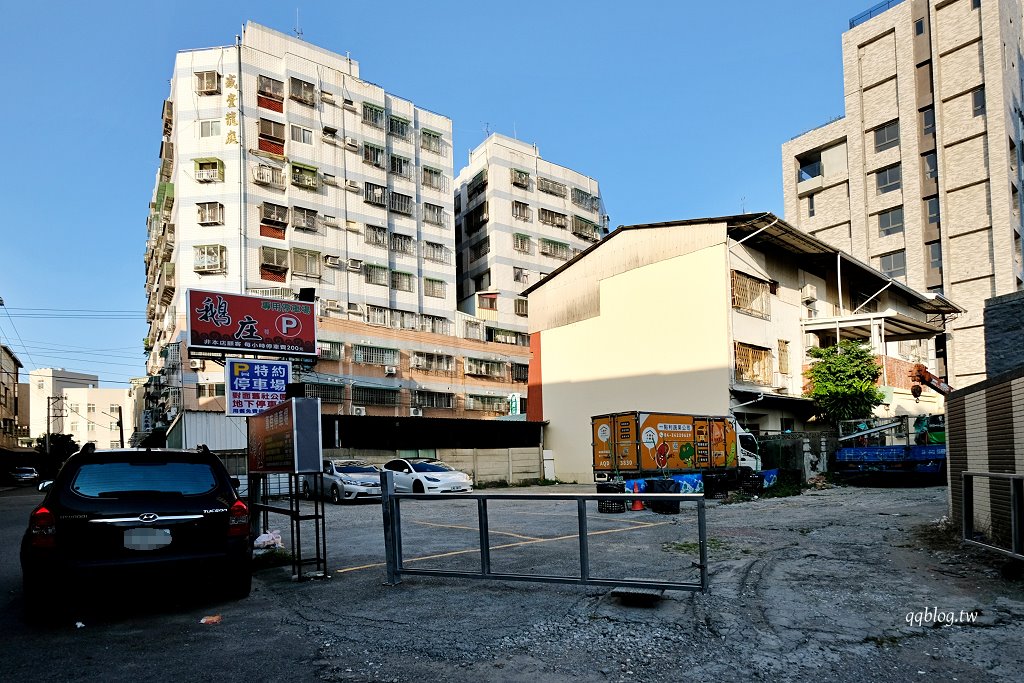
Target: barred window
[(480, 248), (494, 404), (434, 179), (434, 214), (373, 115), (404, 319), (375, 275), (522, 243), (400, 203), (306, 262), (401, 166), (403, 244), (473, 330), (435, 324), (375, 396), (398, 127), (521, 307), (375, 194), (433, 399), (486, 368), (753, 364), (751, 295), (430, 141), (549, 217), (330, 350), (520, 372), (433, 287), (401, 281), (374, 355), (520, 178), (551, 187), (500, 336), (432, 362), (558, 250), (521, 211), (376, 236), (327, 393), (376, 315), (784, 357), (373, 155), (432, 251)]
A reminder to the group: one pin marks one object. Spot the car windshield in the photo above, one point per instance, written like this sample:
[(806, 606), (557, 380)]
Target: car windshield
[(434, 466), (104, 480), (356, 469), (25, 470)]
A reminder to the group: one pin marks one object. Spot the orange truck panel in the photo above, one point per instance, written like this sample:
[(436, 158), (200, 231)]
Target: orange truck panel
[(662, 441)]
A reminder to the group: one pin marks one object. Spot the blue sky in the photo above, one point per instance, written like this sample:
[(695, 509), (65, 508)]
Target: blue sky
[(678, 109)]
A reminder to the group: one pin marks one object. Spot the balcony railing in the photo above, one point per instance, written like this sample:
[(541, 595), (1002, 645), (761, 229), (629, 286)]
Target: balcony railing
[(207, 175), (268, 175), (873, 12)]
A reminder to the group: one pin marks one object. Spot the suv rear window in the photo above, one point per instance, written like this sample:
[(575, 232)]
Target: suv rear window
[(104, 480)]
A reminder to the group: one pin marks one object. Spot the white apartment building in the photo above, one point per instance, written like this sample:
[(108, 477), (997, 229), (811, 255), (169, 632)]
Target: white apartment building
[(518, 217), (46, 397), (92, 416), (921, 178), (282, 170)]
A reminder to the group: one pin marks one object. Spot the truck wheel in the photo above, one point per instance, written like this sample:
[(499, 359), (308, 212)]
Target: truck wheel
[(335, 495)]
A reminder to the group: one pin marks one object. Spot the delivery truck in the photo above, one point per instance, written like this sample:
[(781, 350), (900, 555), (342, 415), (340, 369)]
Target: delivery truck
[(639, 445)]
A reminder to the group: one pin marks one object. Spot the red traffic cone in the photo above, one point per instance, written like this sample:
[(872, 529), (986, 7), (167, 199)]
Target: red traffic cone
[(638, 505)]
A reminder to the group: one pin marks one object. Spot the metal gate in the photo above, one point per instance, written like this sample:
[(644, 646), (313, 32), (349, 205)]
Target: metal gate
[(391, 503)]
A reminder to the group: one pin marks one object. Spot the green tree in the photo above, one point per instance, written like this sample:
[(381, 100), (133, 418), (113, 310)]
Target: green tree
[(62, 447), (843, 381)]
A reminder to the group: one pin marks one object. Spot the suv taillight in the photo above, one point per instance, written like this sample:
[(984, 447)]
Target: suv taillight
[(238, 519), (42, 526)]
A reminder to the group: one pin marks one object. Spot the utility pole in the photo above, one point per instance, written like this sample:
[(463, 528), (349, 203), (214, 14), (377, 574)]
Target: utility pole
[(53, 410), (120, 424)]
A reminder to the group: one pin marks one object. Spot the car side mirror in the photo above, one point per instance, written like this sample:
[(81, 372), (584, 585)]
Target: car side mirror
[(44, 486), (236, 482), (406, 470)]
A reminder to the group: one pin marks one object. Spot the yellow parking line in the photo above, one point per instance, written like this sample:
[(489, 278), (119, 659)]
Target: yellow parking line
[(473, 528), (498, 547)]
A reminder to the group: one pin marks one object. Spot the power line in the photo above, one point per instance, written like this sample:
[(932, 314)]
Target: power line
[(27, 354)]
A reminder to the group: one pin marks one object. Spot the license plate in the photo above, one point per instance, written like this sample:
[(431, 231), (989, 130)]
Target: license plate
[(146, 539), (373, 492)]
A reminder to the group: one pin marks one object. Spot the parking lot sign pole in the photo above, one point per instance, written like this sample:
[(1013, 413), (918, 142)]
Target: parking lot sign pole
[(702, 540), (581, 506), (485, 544), (387, 490)]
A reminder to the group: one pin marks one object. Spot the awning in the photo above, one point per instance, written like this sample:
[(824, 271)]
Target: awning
[(895, 326), (305, 167)]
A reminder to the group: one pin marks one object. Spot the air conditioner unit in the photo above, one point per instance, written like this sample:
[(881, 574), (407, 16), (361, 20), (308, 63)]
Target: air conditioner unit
[(415, 412), (333, 261), (332, 305), (355, 265), (358, 410), (351, 186), (390, 370), (349, 104), (351, 143), (808, 293), (326, 96), (196, 364), (354, 308)]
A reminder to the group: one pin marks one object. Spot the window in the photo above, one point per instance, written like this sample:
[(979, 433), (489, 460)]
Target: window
[(978, 101), (919, 27), (585, 229), (521, 211), (263, 174), (304, 176), (269, 87), (373, 155), (810, 206), (430, 141), (433, 214), (751, 295), (374, 396), (376, 315), (931, 168), (398, 127), (487, 302), (520, 372), (477, 185), (935, 256), (210, 390), (481, 282), (272, 130), (433, 399), (890, 222), (302, 91), (435, 288), (473, 330), (274, 259), (375, 194), (487, 368), (90, 408), (520, 178), (303, 218), (520, 275), (783, 357), (207, 82), (274, 213), (932, 209), (928, 121), (209, 258), (522, 243), (376, 236), (373, 115), (558, 250), (476, 218), (493, 404), (975, 4), (374, 355), (210, 213), (432, 251), (113, 408), (888, 179), (330, 350), (401, 166), (402, 244), (303, 135), (522, 307), (479, 249), (210, 128), (433, 178), (888, 136), (753, 364), (306, 263), (551, 187), (435, 324), (549, 217), (375, 275), (400, 203), (894, 264), (584, 199)]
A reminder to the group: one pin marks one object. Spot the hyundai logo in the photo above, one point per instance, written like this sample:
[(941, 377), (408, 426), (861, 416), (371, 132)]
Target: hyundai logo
[(148, 517)]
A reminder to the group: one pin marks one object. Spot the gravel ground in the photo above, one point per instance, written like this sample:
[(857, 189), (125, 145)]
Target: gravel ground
[(816, 587)]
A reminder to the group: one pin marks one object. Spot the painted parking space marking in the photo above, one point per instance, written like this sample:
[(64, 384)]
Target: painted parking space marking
[(453, 553), (473, 528)]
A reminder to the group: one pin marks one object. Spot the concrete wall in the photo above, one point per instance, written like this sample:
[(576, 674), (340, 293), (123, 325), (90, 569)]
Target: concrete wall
[(484, 465)]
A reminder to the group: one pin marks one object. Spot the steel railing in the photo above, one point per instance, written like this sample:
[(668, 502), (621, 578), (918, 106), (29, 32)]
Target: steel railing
[(392, 516), (1016, 482)]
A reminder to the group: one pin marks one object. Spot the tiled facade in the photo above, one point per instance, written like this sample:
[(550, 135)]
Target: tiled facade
[(921, 177), (9, 369)]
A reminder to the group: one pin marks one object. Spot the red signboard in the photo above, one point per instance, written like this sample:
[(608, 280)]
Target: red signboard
[(250, 324)]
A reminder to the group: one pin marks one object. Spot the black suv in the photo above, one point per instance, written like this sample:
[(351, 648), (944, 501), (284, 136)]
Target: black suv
[(128, 514)]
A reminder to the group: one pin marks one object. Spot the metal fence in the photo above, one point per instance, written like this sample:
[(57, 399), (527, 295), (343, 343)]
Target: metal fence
[(391, 503), (1012, 536)]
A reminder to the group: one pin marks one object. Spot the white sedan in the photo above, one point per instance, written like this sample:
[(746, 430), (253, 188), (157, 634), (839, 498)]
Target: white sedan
[(428, 476)]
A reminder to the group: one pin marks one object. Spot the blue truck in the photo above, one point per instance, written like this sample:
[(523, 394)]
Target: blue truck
[(893, 445)]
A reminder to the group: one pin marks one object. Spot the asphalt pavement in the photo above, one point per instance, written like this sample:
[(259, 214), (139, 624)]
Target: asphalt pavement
[(824, 586)]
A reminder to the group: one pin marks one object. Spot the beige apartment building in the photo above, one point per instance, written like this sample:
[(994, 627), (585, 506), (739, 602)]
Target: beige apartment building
[(921, 177)]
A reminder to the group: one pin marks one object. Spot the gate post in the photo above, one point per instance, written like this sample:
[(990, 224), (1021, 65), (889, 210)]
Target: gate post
[(387, 502)]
